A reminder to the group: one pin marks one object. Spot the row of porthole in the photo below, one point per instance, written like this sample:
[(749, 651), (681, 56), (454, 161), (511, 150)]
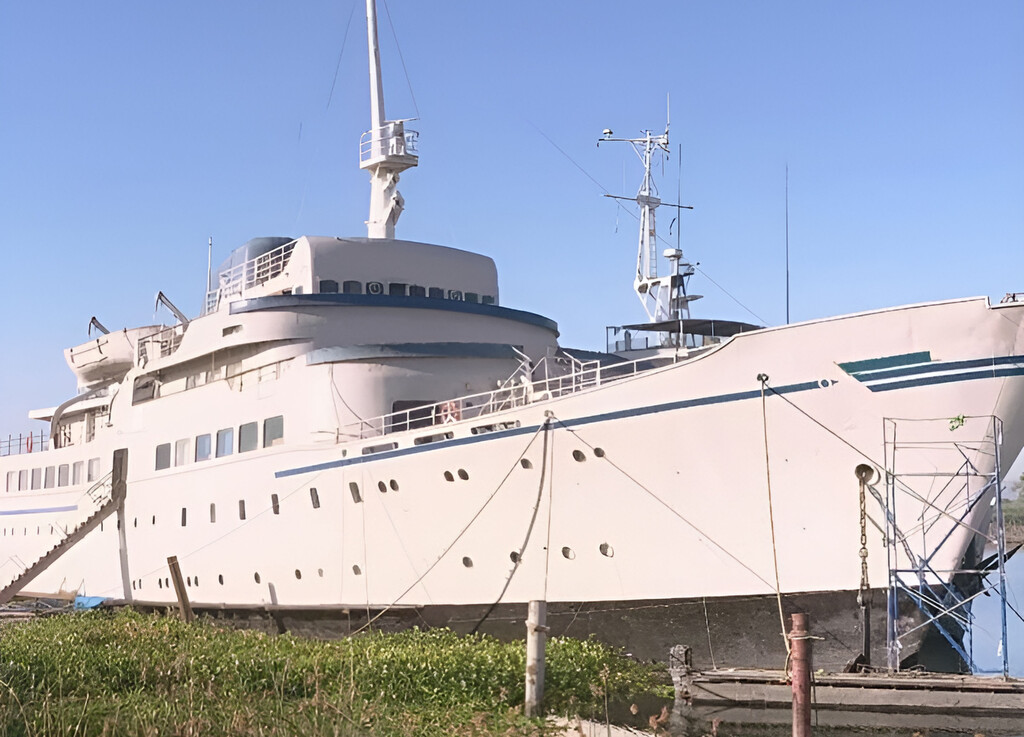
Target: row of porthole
[(462, 474), (194, 580), (568, 553), (24, 530)]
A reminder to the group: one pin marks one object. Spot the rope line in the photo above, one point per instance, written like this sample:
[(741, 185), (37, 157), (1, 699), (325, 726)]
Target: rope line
[(763, 380)]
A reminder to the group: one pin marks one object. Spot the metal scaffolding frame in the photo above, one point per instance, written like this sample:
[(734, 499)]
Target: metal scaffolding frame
[(950, 504)]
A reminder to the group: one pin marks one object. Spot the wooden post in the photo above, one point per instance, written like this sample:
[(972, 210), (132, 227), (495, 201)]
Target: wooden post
[(536, 636), (179, 589), (800, 675)]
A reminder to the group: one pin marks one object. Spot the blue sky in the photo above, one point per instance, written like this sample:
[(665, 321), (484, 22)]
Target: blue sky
[(131, 132)]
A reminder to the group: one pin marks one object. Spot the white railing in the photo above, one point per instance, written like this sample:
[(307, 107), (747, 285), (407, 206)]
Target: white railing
[(32, 442), (1012, 297), (390, 139), (253, 272), (160, 343), (475, 406)]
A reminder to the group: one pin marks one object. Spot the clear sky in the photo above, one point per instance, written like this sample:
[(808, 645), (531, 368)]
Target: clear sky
[(131, 132)]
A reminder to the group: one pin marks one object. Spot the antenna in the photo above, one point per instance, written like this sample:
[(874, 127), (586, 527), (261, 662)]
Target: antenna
[(209, 264), (387, 149), (787, 243)]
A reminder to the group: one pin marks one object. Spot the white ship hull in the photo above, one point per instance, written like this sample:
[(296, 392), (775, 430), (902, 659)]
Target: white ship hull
[(648, 488)]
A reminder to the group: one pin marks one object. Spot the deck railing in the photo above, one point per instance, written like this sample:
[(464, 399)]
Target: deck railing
[(32, 442), (253, 272)]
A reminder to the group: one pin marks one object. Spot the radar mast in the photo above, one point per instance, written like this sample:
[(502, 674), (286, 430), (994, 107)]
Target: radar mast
[(386, 150)]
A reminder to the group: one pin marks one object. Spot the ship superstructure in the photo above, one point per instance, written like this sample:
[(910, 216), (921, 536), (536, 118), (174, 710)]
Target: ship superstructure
[(358, 428)]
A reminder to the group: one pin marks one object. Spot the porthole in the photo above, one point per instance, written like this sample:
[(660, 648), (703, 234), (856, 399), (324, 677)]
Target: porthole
[(514, 556), (241, 509), (568, 553), (357, 570), (599, 452), (133, 586), (213, 513), (607, 550), (525, 463), (159, 584), (314, 497), (320, 572), (298, 573), (393, 484), (467, 561), (382, 486), (167, 582), (196, 580), (353, 487), (463, 474), (256, 576), (448, 476), (153, 520), (275, 504), (135, 522), (183, 517), (188, 581), (579, 456), (220, 579)]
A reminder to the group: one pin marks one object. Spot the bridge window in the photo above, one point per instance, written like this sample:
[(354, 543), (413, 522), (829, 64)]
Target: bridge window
[(23, 480), (78, 467), (352, 287), (471, 297), (328, 286), (487, 299), (163, 456), (455, 294), (92, 471), (203, 448), (397, 289), (37, 478), (49, 477), (435, 293), (225, 442), (62, 474), (12, 481), (417, 291), (248, 437), (273, 431)]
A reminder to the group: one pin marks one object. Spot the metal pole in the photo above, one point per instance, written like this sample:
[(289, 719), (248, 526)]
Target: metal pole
[(536, 636), (179, 589), (997, 433), (800, 675)]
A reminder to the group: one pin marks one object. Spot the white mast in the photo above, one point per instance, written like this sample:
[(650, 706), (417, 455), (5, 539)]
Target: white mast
[(663, 298), (386, 150)]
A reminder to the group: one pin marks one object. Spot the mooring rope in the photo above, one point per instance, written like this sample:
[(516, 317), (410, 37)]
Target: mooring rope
[(763, 379)]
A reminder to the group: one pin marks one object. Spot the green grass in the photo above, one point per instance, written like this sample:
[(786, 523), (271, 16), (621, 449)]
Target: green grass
[(130, 674)]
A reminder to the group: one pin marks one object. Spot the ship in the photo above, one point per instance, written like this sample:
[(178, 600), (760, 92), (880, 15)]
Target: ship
[(358, 433)]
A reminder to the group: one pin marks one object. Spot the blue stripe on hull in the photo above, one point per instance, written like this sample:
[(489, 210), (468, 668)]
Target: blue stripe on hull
[(41, 510)]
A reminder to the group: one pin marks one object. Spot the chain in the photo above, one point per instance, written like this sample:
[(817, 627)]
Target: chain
[(864, 595)]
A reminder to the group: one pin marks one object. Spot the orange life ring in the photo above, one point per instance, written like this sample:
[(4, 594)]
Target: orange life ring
[(28, 443)]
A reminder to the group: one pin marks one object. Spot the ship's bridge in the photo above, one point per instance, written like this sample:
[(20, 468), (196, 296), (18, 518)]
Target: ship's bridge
[(324, 265)]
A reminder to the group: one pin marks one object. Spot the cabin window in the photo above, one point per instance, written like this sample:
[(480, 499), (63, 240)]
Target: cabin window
[(181, 451), (92, 471), (12, 481), (77, 468), (471, 297), (248, 437), (144, 390), (455, 294), (435, 293), (328, 286), (163, 456), (225, 442), (417, 291), (37, 478), (397, 289), (62, 474), (352, 287), (203, 447), (50, 477), (273, 431), (241, 509), (23, 480), (487, 299)]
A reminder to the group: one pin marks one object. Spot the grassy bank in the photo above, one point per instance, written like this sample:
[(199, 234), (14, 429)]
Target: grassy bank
[(132, 674)]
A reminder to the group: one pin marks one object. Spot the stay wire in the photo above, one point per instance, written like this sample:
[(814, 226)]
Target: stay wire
[(529, 531), (401, 58), (341, 53), (670, 508), (763, 380), (458, 537)]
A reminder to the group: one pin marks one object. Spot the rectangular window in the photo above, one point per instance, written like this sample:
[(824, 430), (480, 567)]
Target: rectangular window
[(328, 286), (352, 287), (23, 480), (50, 477), (248, 437), (275, 504), (163, 456), (92, 471), (273, 431), (471, 297), (62, 474), (184, 517), (77, 469), (241, 509), (314, 497), (181, 452), (415, 290), (487, 299), (225, 442), (12, 481), (37, 478), (397, 289), (203, 447), (435, 293), (213, 513)]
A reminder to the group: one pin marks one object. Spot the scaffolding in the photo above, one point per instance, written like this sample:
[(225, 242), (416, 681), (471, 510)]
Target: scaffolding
[(942, 510)]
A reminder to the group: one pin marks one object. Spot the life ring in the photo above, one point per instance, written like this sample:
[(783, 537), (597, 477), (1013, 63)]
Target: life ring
[(28, 443), (450, 413)]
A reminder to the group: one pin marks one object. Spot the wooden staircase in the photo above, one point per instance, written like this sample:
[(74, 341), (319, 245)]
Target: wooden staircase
[(107, 504)]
